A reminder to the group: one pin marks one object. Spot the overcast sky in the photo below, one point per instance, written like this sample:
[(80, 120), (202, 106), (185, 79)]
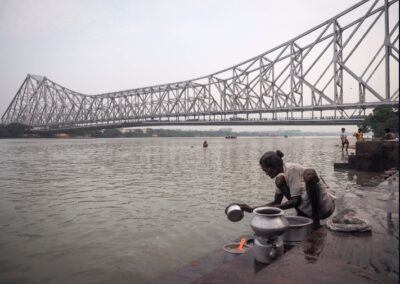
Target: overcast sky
[(97, 46)]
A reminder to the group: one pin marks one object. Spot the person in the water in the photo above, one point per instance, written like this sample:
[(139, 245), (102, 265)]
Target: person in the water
[(205, 144), (303, 188)]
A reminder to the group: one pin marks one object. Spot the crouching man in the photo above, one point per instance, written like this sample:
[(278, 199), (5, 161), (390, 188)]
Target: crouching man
[(303, 188)]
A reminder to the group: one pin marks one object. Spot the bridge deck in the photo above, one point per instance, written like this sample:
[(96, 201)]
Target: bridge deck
[(154, 123)]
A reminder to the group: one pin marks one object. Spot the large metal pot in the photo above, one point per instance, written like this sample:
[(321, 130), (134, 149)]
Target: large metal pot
[(268, 222), (299, 228)]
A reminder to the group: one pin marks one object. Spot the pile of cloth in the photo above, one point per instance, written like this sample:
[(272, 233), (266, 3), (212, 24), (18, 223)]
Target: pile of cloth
[(346, 219)]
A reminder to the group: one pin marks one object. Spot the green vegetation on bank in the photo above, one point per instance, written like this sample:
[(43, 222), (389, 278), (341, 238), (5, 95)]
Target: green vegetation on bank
[(13, 130), (382, 117)]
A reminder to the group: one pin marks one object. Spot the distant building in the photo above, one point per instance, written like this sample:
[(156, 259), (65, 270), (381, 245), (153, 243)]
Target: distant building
[(61, 135), (226, 129), (128, 130)]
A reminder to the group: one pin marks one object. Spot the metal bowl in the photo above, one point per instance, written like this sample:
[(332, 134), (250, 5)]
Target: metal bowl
[(299, 228)]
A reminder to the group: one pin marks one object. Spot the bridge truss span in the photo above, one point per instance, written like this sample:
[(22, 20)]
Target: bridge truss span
[(337, 71)]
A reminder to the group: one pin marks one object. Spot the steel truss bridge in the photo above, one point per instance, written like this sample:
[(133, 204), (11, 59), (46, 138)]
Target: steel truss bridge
[(335, 73)]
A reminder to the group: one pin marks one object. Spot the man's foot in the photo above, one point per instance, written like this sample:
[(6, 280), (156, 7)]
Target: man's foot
[(315, 225)]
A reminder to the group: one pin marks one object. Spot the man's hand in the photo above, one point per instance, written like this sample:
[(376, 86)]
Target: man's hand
[(246, 208)]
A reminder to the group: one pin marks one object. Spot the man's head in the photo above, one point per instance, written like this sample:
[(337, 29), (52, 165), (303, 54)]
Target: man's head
[(387, 130), (343, 129), (271, 163), (359, 130)]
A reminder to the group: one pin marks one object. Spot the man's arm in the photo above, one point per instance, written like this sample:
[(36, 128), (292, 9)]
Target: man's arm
[(291, 203), (277, 200)]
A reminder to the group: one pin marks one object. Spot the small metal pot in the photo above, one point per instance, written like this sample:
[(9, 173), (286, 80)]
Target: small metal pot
[(299, 228), (234, 212)]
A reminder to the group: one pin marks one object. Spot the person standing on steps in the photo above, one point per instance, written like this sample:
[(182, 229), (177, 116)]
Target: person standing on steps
[(343, 138)]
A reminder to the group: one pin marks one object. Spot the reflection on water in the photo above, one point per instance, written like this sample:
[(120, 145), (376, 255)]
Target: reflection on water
[(131, 210), (361, 178), (314, 245)]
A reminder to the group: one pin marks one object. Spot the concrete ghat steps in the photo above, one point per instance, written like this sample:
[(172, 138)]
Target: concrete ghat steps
[(324, 257)]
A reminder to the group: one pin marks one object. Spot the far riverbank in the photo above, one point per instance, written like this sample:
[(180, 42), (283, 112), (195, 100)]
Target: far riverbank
[(150, 132)]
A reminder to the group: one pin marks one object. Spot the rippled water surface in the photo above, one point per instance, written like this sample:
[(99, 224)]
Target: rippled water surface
[(131, 210)]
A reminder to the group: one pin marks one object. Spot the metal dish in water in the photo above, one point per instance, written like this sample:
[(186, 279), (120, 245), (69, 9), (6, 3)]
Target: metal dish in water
[(234, 248)]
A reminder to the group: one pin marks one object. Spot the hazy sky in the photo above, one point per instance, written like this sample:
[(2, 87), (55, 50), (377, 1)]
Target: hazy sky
[(97, 46)]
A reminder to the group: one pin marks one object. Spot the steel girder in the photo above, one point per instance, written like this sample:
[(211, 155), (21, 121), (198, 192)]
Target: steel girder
[(305, 77)]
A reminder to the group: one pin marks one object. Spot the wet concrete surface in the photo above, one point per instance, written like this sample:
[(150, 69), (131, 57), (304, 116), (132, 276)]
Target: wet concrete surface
[(326, 256)]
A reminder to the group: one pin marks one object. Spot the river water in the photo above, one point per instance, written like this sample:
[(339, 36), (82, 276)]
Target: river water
[(131, 210)]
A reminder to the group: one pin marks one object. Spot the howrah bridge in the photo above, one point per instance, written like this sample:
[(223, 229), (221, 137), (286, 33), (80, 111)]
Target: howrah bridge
[(334, 73)]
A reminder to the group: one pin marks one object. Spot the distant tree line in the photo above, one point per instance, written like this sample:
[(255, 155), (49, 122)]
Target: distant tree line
[(149, 132), (17, 130), (14, 130)]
